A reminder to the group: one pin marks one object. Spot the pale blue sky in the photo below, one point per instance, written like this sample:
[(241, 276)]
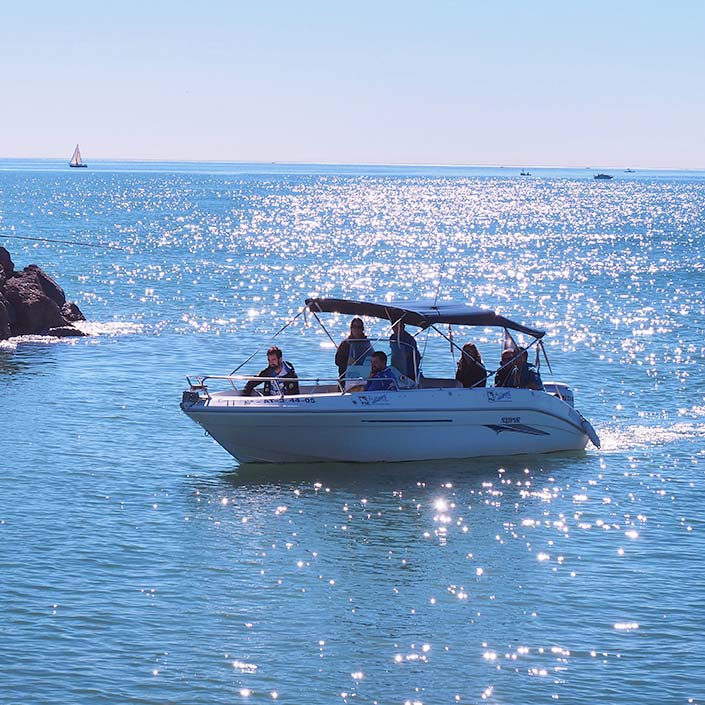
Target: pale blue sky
[(599, 83)]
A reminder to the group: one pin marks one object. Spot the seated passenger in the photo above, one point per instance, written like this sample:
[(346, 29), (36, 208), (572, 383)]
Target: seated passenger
[(277, 368), (529, 377), (516, 371), (382, 377), (508, 374), (471, 372), (405, 353), (356, 349)]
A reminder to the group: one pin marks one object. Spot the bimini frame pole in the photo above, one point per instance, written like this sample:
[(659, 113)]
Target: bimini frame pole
[(417, 356), (281, 330), (489, 372), (320, 323)]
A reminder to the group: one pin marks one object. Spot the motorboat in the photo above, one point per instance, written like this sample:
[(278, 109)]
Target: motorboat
[(603, 177), (334, 419)]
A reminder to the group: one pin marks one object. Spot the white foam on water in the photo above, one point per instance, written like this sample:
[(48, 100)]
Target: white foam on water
[(632, 437), (112, 328)]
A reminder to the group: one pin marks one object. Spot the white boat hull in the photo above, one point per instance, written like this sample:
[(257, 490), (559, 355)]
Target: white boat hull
[(418, 424)]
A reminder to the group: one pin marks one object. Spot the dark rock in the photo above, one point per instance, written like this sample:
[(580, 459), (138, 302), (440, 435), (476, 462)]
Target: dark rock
[(5, 331), (6, 263), (9, 307), (49, 286), (12, 315), (35, 311), (31, 302), (71, 312)]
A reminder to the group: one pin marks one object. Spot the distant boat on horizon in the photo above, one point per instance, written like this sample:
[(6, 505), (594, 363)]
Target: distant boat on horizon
[(76, 160), (603, 176), (524, 173)]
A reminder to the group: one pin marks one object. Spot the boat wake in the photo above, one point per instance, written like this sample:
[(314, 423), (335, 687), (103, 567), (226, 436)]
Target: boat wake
[(639, 437)]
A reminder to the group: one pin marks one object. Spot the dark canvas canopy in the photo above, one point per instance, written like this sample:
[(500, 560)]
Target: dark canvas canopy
[(421, 313)]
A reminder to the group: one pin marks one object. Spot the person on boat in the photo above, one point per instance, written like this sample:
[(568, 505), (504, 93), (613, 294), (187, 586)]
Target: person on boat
[(382, 377), (508, 373), (529, 377), (405, 353), (517, 371), (471, 372), (356, 349), (281, 376)]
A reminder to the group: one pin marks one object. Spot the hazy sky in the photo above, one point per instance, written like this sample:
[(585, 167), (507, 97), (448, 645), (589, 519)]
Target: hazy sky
[(600, 83)]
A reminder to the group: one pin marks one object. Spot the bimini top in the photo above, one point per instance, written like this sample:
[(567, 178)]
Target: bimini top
[(420, 313)]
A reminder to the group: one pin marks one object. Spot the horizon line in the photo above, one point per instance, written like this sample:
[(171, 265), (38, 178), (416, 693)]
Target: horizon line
[(158, 160)]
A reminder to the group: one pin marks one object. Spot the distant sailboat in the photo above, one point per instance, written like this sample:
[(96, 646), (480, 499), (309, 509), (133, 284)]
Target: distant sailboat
[(76, 158)]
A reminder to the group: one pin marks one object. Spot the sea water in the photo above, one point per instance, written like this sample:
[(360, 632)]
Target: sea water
[(140, 564)]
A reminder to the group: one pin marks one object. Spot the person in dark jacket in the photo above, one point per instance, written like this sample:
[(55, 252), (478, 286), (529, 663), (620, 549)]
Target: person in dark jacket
[(508, 374), (356, 349), (516, 371), (405, 353), (286, 381), (471, 372)]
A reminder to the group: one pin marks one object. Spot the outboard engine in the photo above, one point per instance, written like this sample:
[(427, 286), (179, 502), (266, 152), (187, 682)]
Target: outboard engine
[(560, 390)]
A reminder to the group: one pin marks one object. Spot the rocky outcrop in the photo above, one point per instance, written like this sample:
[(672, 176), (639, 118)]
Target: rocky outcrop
[(7, 266), (5, 330), (32, 303)]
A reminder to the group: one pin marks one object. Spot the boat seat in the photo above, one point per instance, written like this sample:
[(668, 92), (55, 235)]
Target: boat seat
[(440, 383), (356, 375)]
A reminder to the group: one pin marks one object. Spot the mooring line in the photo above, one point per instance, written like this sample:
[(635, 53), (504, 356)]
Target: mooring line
[(62, 242)]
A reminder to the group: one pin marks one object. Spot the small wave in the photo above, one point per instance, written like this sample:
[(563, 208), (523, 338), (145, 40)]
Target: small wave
[(109, 327), (90, 328), (11, 344)]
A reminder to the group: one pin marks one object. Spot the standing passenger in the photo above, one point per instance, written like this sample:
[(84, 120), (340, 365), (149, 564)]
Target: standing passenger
[(355, 349), (405, 354)]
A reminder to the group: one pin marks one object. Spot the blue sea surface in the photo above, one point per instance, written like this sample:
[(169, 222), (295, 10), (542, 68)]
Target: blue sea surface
[(141, 564)]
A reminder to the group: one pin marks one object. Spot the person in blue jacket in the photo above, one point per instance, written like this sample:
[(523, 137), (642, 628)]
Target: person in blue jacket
[(383, 377)]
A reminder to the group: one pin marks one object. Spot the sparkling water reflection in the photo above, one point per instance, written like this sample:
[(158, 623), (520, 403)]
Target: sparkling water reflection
[(140, 564)]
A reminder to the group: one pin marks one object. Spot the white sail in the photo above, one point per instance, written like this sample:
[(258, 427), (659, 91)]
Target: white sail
[(76, 158)]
